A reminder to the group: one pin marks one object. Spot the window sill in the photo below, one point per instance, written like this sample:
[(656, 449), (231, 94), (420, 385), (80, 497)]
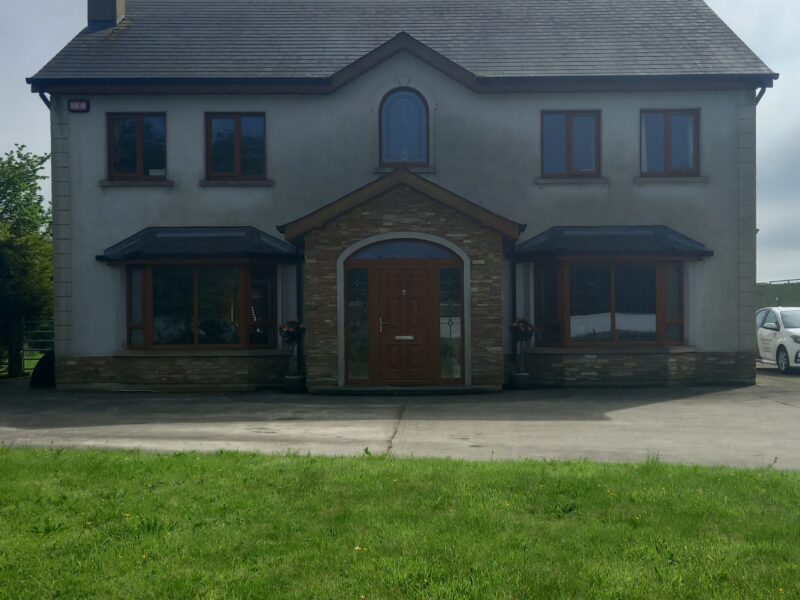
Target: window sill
[(571, 181), (203, 353), (677, 179), (236, 183), (123, 183), (382, 170), (612, 350)]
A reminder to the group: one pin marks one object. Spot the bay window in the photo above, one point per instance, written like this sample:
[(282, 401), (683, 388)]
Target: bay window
[(201, 306), (609, 302)]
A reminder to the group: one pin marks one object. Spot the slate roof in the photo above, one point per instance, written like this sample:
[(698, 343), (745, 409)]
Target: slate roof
[(198, 242), (489, 38), (611, 241)]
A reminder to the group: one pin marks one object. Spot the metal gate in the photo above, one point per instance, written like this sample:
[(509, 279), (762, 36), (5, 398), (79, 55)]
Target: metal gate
[(37, 338)]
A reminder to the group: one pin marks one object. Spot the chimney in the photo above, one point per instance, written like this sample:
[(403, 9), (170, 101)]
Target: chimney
[(105, 13)]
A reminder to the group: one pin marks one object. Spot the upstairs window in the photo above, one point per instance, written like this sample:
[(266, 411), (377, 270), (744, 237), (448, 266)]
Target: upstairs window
[(137, 146), (669, 143), (236, 146), (404, 129), (571, 144)]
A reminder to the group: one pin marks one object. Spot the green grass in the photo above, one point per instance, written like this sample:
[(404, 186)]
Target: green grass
[(79, 524)]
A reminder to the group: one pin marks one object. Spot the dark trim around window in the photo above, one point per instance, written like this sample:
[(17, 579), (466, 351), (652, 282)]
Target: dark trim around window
[(553, 325), (571, 172), (139, 174), (668, 171), (236, 175)]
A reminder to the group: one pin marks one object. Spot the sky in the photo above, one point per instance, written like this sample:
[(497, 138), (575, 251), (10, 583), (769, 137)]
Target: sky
[(32, 31)]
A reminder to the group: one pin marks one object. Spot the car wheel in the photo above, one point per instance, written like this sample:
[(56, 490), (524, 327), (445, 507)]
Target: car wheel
[(782, 360)]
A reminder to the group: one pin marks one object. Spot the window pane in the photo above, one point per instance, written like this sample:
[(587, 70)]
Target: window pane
[(403, 249), (682, 142), (404, 129), (584, 143), (357, 324), (674, 300), (136, 337), (590, 303), (635, 314), (135, 298), (218, 305), (549, 329), (223, 146), (791, 319), (554, 144), (450, 342), (154, 151), (123, 139), (173, 305), (254, 157), (674, 332), (653, 143), (262, 307)]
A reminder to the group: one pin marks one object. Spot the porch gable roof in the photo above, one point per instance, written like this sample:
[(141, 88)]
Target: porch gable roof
[(300, 227)]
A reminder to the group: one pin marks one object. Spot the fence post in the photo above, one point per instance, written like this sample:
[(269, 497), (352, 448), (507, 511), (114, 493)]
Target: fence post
[(16, 362)]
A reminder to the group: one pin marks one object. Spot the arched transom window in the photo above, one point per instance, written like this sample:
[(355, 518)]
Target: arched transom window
[(404, 129)]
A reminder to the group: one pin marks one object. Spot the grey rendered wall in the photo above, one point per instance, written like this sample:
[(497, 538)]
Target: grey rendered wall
[(484, 147)]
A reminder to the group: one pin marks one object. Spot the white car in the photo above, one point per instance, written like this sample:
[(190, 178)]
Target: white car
[(778, 336)]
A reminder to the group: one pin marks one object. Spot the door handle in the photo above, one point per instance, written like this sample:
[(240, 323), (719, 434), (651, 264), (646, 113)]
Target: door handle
[(381, 323)]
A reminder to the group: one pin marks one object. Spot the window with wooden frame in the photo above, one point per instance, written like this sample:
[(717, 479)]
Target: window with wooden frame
[(404, 129), (570, 143), (609, 301), (236, 146), (201, 306), (670, 145), (137, 146)]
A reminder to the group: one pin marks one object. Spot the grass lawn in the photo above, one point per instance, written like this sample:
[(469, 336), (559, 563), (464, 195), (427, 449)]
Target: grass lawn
[(130, 525)]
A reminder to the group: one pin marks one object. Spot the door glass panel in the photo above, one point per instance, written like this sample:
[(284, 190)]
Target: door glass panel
[(135, 300), (408, 249), (154, 150), (262, 307), (674, 332), (173, 305), (549, 329), (223, 146), (590, 303), (450, 341), (357, 324), (653, 143), (218, 305), (635, 314), (123, 138), (554, 144), (584, 143), (682, 142), (772, 318)]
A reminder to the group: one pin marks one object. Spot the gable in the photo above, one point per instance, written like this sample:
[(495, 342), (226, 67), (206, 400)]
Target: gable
[(401, 177)]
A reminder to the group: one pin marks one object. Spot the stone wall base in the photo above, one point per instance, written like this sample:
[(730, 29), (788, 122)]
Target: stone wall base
[(158, 372), (641, 368)]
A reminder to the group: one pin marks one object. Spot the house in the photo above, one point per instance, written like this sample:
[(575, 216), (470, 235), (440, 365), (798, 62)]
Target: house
[(407, 177)]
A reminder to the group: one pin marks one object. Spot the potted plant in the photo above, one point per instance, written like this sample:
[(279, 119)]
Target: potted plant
[(522, 332), (291, 333)]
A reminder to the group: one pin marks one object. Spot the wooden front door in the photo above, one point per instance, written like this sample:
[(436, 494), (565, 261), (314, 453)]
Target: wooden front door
[(405, 326)]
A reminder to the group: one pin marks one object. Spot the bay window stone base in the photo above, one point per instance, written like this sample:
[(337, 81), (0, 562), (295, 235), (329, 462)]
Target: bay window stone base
[(148, 371), (662, 367)]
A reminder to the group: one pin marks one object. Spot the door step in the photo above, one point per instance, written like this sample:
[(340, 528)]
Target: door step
[(394, 390)]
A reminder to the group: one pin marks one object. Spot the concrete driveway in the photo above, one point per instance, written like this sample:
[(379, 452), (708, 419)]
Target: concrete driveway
[(751, 427)]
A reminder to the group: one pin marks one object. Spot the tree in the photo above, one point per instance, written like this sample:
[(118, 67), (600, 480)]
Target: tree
[(22, 207), (26, 258)]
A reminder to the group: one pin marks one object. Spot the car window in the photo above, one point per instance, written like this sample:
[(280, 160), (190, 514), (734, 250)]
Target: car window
[(791, 319), (772, 317), (760, 317)]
